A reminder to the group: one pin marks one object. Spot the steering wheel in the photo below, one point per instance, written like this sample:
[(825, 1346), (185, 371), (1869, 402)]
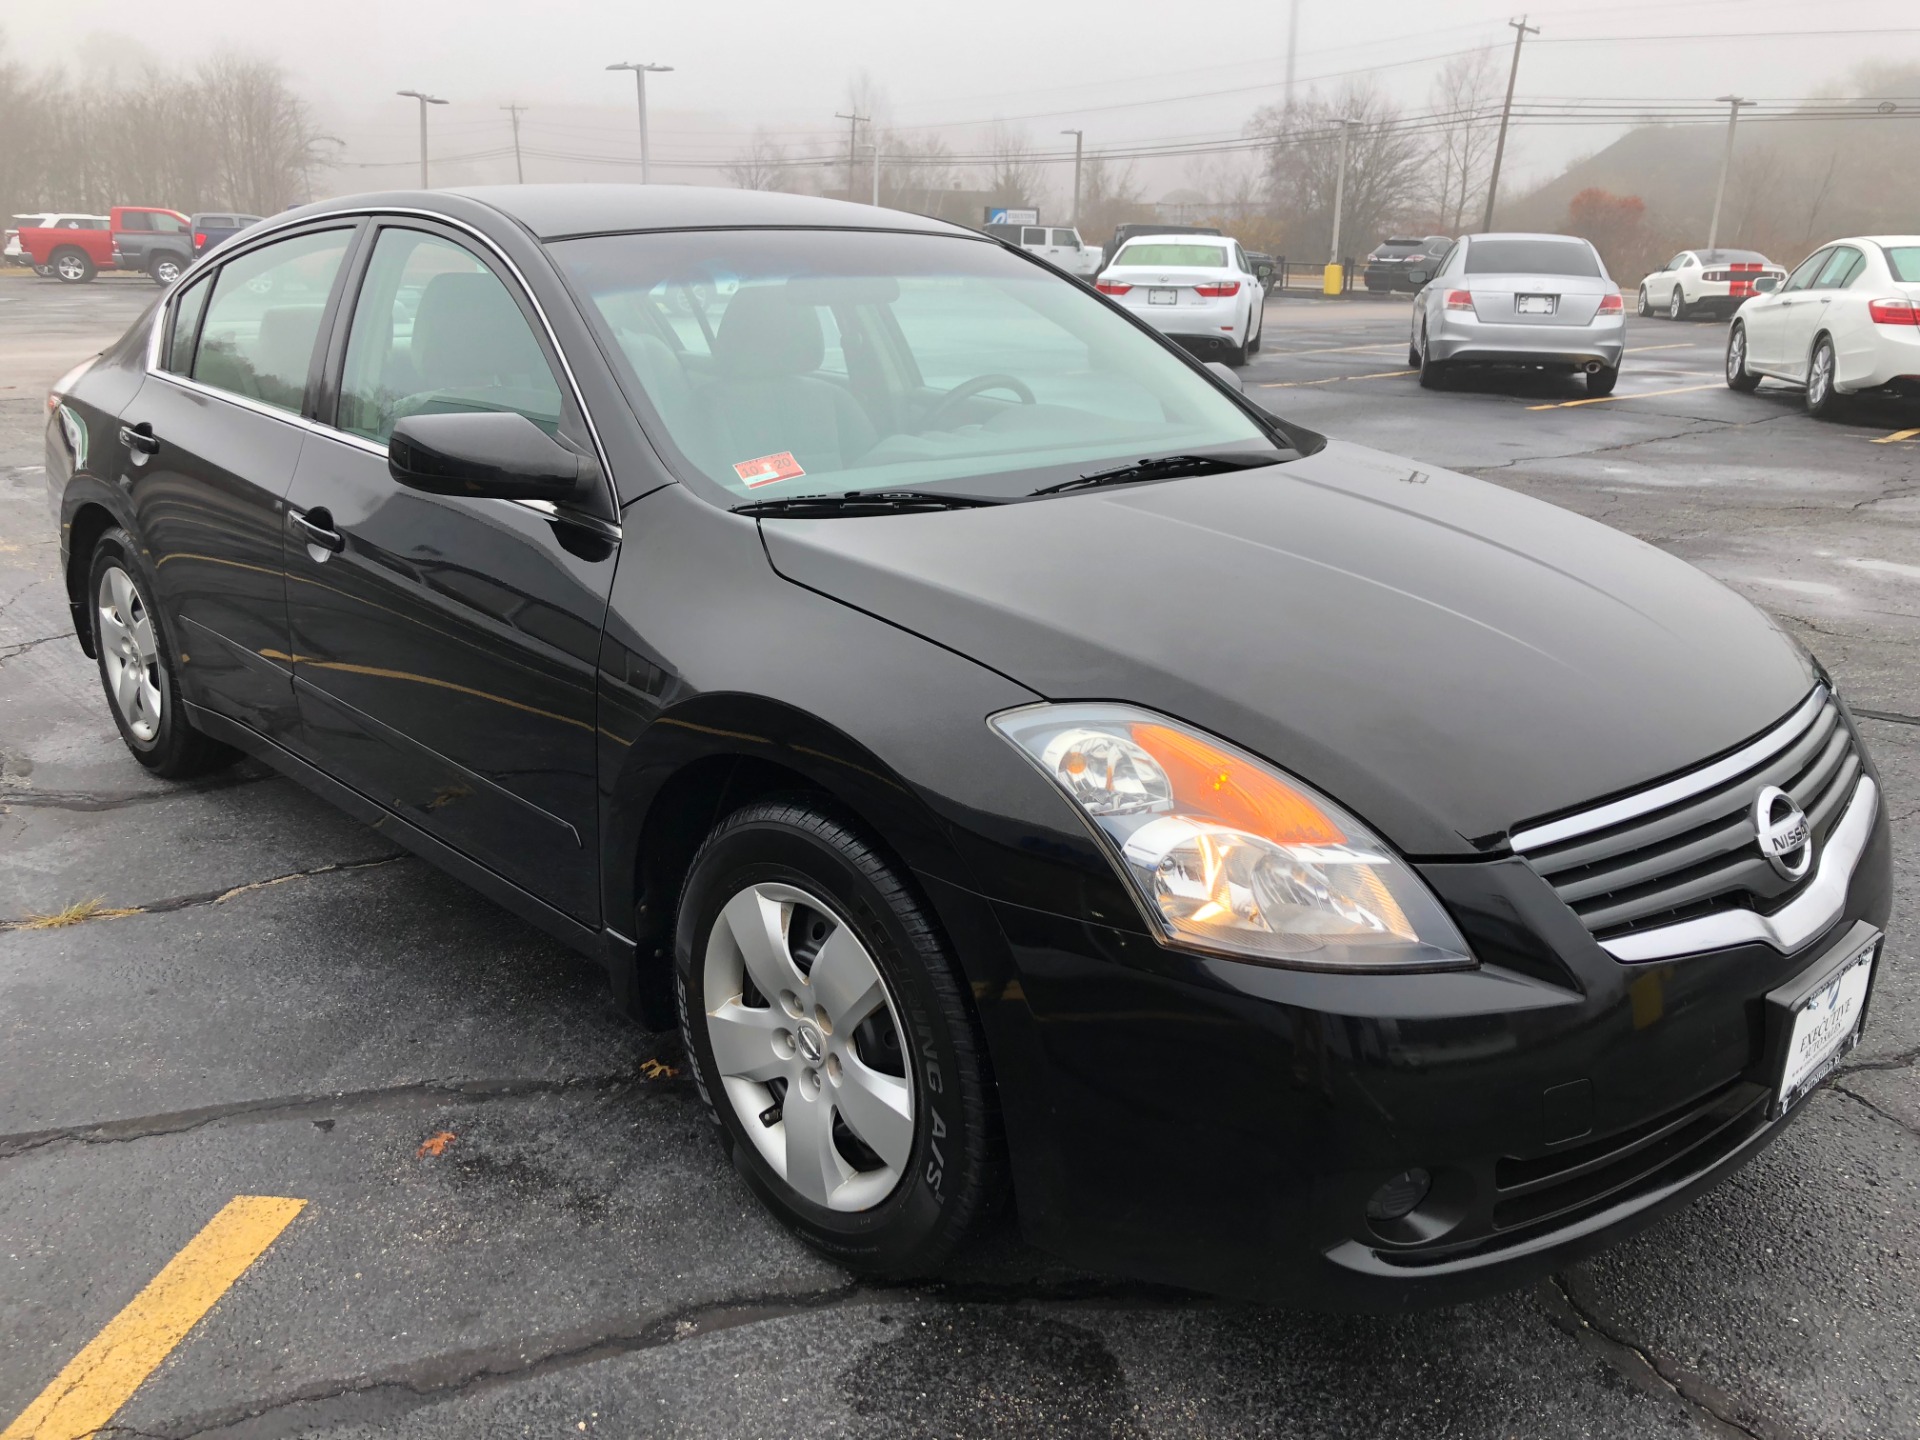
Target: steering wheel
[(967, 389)]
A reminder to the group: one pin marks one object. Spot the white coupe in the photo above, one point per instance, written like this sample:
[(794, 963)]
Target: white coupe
[(1713, 281), (1846, 321)]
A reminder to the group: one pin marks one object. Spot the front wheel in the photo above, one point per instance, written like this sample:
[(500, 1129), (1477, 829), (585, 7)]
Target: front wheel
[(1738, 376), (1824, 401), (833, 1040), (1645, 304), (137, 669)]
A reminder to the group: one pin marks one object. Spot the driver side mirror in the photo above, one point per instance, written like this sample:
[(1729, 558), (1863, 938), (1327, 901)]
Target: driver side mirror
[(488, 455), (1766, 284)]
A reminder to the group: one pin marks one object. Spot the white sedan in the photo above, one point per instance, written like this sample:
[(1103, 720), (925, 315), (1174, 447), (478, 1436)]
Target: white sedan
[(1704, 280), (1846, 321), (1196, 289)]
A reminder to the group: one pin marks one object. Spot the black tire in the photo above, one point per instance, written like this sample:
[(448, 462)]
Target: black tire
[(954, 1174), (166, 268), (1738, 376), (1677, 305), (1602, 381), (72, 265), (1413, 356), (174, 749), (1824, 400), (1434, 374), (1645, 304), (1259, 336)]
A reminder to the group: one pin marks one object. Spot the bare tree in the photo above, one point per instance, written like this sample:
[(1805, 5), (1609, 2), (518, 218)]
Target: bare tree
[(763, 165), (1463, 100), (1015, 177), (1386, 164)]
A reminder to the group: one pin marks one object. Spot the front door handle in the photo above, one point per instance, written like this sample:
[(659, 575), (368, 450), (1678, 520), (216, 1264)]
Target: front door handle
[(140, 438), (316, 528)]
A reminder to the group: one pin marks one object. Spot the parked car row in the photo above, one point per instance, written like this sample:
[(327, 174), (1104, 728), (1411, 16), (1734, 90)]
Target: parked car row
[(148, 239)]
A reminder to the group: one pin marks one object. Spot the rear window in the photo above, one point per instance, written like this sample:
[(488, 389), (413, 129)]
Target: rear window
[(1904, 261), (1149, 253), (1732, 257), (1531, 257)]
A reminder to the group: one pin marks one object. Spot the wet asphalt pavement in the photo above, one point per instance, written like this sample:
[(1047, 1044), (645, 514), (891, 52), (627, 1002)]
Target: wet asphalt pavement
[(290, 1008)]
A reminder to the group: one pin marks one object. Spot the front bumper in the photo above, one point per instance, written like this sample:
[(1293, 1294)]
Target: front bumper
[(1458, 337), (1220, 1125)]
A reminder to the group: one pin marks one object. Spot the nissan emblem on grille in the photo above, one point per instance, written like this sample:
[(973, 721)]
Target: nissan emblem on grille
[(1781, 827)]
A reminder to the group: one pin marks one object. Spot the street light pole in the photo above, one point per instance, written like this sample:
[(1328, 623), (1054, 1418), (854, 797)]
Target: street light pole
[(1079, 139), (874, 147), (1293, 35), (1340, 187), (519, 174), (1734, 106), (1520, 32), (425, 100), (640, 73)]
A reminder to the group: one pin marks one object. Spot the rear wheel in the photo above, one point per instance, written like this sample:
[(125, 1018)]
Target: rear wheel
[(832, 1040), (1677, 305), (1824, 400), (73, 266), (1738, 376), (137, 669), (1433, 373)]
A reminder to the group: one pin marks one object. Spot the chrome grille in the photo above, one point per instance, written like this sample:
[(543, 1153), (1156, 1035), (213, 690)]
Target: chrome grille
[(1646, 864)]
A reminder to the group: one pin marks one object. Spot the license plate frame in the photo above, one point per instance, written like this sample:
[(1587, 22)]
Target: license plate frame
[(1816, 1019), (1536, 304), (1163, 296)]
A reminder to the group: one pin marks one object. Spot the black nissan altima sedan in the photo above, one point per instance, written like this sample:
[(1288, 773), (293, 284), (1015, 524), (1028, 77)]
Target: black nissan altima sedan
[(1018, 763)]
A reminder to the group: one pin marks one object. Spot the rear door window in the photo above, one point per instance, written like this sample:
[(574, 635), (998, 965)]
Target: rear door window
[(1838, 272), (258, 336), (185, 327), (435, 331), (1033, 235)]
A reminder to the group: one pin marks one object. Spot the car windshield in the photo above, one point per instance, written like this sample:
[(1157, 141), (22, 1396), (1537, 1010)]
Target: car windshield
[(784, 363), (1904, 261), (1530, 257), (1164, 253)]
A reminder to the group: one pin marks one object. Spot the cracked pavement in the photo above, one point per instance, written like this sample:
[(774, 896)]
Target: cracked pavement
[(256, 995)]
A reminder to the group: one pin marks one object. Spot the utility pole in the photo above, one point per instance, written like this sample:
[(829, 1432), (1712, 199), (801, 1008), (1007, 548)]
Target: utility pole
[(519, 174), (1293, 36), (1340, 188), (1734, 106), (1079, 139), (640, 73), (853, 143), (874, 147), (1520, 32), (425, 100)]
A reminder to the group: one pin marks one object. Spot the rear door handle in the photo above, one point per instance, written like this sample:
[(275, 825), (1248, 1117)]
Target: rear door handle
[(316, 528), (140, 438)]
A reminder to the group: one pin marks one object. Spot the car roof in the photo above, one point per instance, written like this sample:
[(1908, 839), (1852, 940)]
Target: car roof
[(1178, 237), (1527, 235), (553, 211)]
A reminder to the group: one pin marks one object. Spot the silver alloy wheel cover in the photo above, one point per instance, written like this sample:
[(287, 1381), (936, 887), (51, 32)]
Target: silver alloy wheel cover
[(71, 265), (1737, 353), (168, 271), (1821, 379), (130, 654), (804, 1035), (1677, 304)]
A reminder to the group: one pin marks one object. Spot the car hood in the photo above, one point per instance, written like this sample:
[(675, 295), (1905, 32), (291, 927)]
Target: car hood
[(1445, 657)]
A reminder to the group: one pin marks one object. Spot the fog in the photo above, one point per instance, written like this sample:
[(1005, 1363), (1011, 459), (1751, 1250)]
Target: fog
[(1127, 72)]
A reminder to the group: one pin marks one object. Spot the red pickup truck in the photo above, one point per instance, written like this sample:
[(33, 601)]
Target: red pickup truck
[(158, 242)]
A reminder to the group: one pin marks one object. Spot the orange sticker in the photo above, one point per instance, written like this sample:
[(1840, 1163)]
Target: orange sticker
[(768, 469)]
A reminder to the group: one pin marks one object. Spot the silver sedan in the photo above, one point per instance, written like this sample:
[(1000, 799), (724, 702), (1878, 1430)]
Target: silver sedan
[(1542, 301)]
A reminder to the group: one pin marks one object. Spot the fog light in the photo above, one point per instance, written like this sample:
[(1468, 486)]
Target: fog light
[(1400, 1195)]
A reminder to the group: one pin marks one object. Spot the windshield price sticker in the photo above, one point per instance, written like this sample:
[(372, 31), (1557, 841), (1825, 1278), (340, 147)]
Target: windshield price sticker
[(769, 469)]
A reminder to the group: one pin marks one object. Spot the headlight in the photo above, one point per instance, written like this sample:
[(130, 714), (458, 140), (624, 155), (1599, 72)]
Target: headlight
[(1229, 855)]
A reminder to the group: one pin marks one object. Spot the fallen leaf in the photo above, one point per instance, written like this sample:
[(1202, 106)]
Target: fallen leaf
[(435, 1144), (657, 1070)]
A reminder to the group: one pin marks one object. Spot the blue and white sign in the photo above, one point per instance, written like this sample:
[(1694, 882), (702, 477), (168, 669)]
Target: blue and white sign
[(1005, 215)]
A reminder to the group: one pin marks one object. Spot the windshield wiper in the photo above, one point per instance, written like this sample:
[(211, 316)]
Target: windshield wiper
[(869, 502), (1164, 467)]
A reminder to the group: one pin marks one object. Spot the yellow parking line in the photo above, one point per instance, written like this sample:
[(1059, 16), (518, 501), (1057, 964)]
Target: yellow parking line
[(1592, 400), (1296, 384), (1333, 350), (101, 1378), (1897, 435)]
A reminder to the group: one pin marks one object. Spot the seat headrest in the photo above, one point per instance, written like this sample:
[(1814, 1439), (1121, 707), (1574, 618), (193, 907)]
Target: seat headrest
[(468, 331), (285, 345), (764, 334)]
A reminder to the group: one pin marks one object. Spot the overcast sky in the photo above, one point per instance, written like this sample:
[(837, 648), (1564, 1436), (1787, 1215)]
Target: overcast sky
[(1125, 71)]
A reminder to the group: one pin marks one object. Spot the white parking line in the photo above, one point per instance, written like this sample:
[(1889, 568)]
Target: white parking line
[(1330, 380)]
